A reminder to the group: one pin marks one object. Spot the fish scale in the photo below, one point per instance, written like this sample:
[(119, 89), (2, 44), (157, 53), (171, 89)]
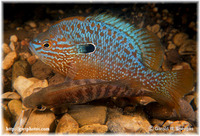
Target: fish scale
[(120, 52)]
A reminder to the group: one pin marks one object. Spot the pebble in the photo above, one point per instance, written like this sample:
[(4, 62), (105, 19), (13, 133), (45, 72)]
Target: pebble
[(94, 128), (32, 24), (156, 122), (15, 108), (41, 70), (45, 121), (30, 89), (12, 46), (191, 25), (34, 79), (158, 111), (173, 56), (10, 96), (171, 46), (167, 123), (149, 27), (56, 79), (21, 84), (188, 47), (155, 28), (194, 62), (67, 125), (170, 20), (61, 11), (21, 68), (24, 55), (180, 127), (180, 38), (160, 34), (13, 38), (9, 60), (88, 114), (119, 123), (183, 65), (195, 99), (6, 48), (31, 60), (155, 9), (5, 122)]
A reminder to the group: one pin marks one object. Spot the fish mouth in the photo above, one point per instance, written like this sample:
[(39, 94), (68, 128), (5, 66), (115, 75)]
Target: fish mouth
[(32, 48)]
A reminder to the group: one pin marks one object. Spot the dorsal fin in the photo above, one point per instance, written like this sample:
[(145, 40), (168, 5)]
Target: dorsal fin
[(151, 52)]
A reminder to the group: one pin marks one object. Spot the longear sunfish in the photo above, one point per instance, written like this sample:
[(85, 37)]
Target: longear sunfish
[(104, 47)]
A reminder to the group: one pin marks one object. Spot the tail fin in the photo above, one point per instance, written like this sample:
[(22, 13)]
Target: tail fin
[(172, 85)]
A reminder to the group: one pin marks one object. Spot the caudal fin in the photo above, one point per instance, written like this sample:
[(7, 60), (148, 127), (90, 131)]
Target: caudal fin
[(172, 85)]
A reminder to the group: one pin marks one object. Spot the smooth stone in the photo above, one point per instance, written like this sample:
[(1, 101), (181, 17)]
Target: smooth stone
[(44, 122), (88, 114), (6, 48), (9, 60), (32, 24), (67, 125), (167, 123), (31, 60), (156, 122), (20, 68), (41, 70), (155, 28), (24, 55), (173, 56), (13, 38), (180, 38), (180, 127), (194, 62), (15, 108), (94, 128), (156, 110), (196, 99), (30, 89), (10, 96), (119, 123), (188, 47), (6, 124), (21, 84), (34, 79), (171, 46), (182, 65), (12, 46)]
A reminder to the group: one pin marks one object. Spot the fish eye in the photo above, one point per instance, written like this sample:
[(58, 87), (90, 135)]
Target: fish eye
[(41, 107), (46, 45)]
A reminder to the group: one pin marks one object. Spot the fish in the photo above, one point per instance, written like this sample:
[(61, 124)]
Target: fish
[(107, 48), (78, 92)]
